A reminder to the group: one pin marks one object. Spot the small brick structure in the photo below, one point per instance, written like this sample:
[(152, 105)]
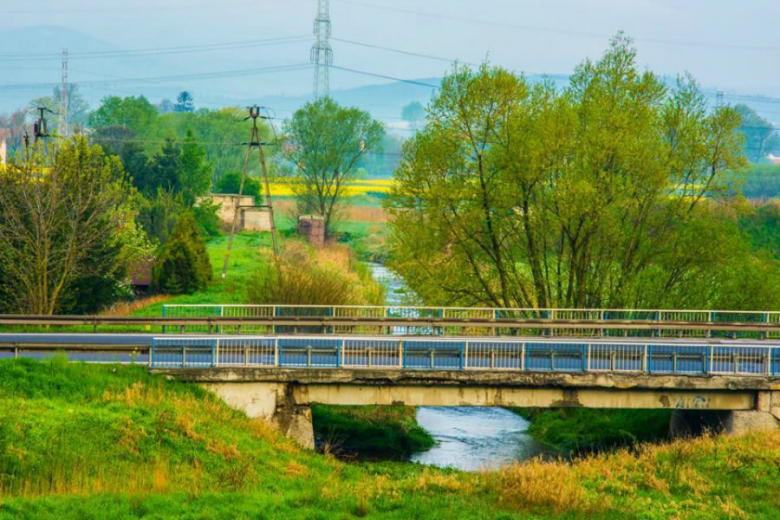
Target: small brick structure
[(313, 228)]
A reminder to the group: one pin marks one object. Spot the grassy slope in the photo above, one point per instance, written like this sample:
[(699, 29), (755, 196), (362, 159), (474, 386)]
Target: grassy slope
[(370, 432), (89, 441)]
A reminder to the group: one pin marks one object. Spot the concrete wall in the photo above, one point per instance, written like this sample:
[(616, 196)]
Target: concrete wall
[(255, 219), (282, 396)]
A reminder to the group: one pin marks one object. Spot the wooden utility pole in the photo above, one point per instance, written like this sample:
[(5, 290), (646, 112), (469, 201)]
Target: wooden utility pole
[(254, 142)]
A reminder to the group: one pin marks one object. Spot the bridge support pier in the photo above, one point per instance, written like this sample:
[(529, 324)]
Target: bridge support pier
[(271, 402), (765, 417)]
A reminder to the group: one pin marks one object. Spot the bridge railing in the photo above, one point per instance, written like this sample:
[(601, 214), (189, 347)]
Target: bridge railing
[(481, 321), (396, 353)]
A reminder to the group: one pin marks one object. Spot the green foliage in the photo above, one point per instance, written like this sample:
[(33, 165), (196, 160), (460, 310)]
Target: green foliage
[(184, 102), (157, 215), (163, 171), (207, 218), (183, 266), (760, 135), (309, 276), (195, 173), (66, 227), (518, 195), (370, 432), (231, 183), (581, 430), (112, 441), (136, 113), (325, 144), (763, 227), (760, 181)]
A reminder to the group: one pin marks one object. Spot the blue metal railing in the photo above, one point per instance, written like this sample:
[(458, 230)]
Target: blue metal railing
[(654, 357)]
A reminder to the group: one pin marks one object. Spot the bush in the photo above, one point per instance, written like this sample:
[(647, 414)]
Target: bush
[(231, 183), (205, 213), (309, 276), (183, 267)]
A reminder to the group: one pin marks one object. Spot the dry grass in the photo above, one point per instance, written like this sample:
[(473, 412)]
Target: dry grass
[(126, 308)]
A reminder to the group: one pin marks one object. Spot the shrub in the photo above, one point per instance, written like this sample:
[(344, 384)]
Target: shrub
[(309, 276), (183, 267), (231, 182)]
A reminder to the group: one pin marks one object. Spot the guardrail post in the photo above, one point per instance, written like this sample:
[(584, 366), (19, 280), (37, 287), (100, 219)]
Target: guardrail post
[(151, 353), (183, 356), (340, 353), (674, 361), (308, 355), (370, 356), (464, 356), (649, 355), (736, 362), (585, 357), (215, 353), (492, 357), (16, 351), (432, 354), (644, 359), (705, 359), (552, 359), (768, 361), (400, 353), (246, 355), (522, 356), (276, 352), (612, 360)]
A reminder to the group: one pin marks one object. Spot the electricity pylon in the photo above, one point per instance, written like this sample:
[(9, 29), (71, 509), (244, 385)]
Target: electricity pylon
[(321, 51), (254, 142)]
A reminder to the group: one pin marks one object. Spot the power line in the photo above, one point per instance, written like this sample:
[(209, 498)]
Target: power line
[(554, 30), (383, 76), (406, 53), (188, 77), (157, 51)]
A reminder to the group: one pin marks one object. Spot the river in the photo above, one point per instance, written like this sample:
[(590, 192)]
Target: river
[(467, 438)]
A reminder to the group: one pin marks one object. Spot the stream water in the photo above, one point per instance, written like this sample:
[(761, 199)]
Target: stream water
[(467, 438)]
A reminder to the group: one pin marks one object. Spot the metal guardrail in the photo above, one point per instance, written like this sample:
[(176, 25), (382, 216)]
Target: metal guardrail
[(359, 320), (398, 353), (89, 352), (499, 321)]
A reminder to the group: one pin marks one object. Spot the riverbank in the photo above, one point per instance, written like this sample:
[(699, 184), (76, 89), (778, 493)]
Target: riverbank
[(572, 431), (108, 441), (369, 432)]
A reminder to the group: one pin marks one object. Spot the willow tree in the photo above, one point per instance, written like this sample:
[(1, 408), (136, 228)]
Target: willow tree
[(593, 195)]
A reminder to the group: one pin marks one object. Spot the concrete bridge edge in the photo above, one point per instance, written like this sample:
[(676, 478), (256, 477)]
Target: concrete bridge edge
[(765, 417)]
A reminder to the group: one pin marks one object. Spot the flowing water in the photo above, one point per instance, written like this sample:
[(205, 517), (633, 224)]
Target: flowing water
[(467, 438)]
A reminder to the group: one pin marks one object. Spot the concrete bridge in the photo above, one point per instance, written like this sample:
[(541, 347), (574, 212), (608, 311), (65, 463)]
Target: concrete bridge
[(730, 385)]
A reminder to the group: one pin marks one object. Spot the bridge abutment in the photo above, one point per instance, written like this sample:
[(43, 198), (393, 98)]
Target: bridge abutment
[(271, 402), (765, 417)]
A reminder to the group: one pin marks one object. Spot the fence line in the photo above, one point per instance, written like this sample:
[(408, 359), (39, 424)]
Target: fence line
[(398, 353), (696, 320)]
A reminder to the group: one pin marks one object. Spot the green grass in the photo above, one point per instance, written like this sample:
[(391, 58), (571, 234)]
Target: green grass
[(96, 442), (370, 432), (582, 430)]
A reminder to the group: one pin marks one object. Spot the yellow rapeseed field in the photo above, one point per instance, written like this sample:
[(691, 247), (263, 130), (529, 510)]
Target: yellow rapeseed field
[(353, 188)]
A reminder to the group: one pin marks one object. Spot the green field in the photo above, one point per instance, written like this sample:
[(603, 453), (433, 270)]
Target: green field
[(84, 441)]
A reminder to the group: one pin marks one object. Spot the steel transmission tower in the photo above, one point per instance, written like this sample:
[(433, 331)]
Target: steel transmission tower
[(63, 126), (321, 52)]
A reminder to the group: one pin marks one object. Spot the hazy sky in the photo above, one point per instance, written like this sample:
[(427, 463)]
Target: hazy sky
[(730, 45)]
